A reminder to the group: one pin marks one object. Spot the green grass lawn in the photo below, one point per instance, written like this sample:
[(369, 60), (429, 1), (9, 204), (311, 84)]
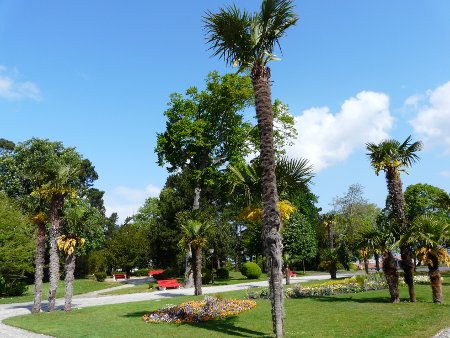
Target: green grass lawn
[(80, 286), (366, 314)]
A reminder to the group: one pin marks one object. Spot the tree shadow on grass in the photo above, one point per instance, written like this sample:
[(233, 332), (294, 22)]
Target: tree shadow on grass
[(136, 314), (332, 299), (228, 326)]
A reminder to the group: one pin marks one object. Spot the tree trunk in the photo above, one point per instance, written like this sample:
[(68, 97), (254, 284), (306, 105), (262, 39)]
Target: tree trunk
[(390, 272), (398, 207), (271, 222), (39, 265), (188, 276), (56, 206), (70, 271), (197, 253), (287, 272), (333, 270), (377, 261), (407, 265), (435, 280)]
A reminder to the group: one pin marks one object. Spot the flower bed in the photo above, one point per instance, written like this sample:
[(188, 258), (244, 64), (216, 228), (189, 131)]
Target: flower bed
[(359, 283), (210, 308)]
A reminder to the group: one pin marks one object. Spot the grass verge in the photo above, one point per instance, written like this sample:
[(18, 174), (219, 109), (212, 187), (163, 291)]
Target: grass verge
[(80, 286), (366, 314)]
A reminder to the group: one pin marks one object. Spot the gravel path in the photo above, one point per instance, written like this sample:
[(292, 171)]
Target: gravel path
[(96, 298)]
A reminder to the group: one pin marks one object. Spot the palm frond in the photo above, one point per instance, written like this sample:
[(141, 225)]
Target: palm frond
[(228, 34)]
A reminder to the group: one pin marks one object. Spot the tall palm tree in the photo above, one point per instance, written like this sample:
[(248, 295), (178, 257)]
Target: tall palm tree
[(248, 41), (194, 237), (429, 233), (392, 157), (55, 191)]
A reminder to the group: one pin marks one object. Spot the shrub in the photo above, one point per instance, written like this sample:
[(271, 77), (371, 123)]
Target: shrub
[(206, 276), (100, 276), (222, 273), (141, 272), (167, 274), (13, 287), (251, 270)]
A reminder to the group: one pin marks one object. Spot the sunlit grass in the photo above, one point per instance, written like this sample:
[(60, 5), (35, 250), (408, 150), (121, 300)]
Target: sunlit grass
[(80, 286), (366, 314)]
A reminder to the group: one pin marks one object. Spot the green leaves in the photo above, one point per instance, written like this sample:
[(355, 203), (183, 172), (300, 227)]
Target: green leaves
[(244, 39)]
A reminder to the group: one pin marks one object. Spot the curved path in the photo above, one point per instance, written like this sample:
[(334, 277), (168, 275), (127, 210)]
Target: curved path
[(96, 298)]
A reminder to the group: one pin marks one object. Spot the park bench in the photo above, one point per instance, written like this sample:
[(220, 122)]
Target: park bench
[(151, 273), (168, 283), (117, 276), (292, 274)]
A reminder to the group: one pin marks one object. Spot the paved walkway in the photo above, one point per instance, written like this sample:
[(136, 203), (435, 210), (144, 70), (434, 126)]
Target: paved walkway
[(96, 298)]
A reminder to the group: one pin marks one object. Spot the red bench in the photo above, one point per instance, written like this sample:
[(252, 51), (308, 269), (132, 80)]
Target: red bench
[(117, 276), (293, 274), (151, 273), (168, 283)]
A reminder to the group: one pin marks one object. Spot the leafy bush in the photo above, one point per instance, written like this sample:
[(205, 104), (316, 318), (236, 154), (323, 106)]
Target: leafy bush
[(222, 273), (206, 276), (141, 272), (100, 276), (12, 287), (167, 274), (251, 270)]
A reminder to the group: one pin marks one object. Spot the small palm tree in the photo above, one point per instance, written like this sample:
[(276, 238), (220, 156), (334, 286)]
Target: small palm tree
[(429, 233), (393, 157), (194, 237), (69, 244), (248, 41)]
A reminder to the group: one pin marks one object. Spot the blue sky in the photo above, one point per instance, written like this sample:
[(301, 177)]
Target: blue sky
[(97, 76)]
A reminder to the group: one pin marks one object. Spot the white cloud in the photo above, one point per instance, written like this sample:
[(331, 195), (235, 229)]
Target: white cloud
[(432, 122), (325, 138), (11, 88), (126, 201)]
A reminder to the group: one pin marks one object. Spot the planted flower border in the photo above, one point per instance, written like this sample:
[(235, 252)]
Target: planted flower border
[(355, 284), (211, 308)]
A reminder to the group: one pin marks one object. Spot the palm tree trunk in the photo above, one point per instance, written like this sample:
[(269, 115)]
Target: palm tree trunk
[(197, 253), (39, 265), (70, 271), (435, 279), (271, 236), (390, 272), (56, 207), (398, 207)]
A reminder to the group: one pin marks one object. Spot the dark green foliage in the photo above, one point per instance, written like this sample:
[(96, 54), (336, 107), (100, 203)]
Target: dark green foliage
[(167, 274), (206, 276), (299, 238), (100, 276), (141, 272), (12, 287), (16, 240), (251, 270), (129, 248), (222, 273)]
